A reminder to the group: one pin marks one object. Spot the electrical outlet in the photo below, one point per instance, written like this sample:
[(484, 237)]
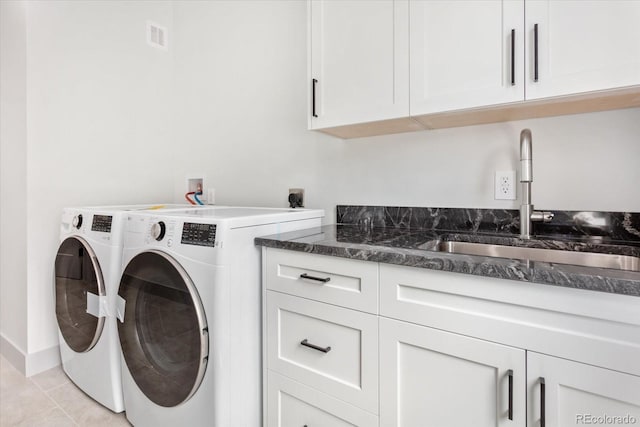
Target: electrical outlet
[(505, 185), (296, 197)]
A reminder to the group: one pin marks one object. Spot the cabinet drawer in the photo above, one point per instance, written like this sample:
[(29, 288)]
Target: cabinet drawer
[(292, 404), (340, 281), (568, 323), (326, 347)]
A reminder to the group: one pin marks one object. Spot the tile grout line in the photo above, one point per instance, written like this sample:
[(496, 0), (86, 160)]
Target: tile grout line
[(53, 400), (46, 393)]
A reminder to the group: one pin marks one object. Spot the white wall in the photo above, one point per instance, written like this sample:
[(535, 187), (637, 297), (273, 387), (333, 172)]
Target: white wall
[(580, 162), (98, 109), (13, 166), (241, 96)]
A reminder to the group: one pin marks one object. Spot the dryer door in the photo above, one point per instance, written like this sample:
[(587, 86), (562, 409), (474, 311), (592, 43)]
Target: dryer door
[(78, 279), (163, 334)]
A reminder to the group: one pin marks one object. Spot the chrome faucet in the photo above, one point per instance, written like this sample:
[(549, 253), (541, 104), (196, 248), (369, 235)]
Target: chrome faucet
[(527, 214)]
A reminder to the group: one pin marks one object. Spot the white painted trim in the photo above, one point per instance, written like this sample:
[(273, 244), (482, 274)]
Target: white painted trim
[(42, 360), (12, 353), (29, 364)]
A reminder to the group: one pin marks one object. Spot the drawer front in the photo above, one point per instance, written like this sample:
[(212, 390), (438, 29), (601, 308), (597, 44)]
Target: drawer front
[(340, 281), (332, 349), (292, 404), (568, 323)]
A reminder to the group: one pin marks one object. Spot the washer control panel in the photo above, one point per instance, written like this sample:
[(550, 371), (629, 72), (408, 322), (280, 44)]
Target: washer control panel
[(102, 223), (198, 234)]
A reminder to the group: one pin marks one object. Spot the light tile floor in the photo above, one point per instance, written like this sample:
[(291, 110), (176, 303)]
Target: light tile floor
[(49, 399)]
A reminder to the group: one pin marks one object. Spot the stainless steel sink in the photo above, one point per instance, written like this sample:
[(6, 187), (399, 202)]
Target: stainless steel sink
[(588, 259)]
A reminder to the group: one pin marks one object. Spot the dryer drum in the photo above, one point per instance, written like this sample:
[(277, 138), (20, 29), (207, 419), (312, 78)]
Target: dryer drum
[(77, 273), (163, 335)]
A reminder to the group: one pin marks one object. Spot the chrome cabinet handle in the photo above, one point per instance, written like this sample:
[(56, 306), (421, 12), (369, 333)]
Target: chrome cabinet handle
[(513, 57), (317, 279), (306, 343), (510, 374)]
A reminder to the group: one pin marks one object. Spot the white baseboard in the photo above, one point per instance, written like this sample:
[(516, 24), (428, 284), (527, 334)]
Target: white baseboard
[(13, 354), (29, 364), (43, 360)]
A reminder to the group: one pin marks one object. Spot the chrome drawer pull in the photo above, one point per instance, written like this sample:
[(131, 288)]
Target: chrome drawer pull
[(317, 279), (306, 343)]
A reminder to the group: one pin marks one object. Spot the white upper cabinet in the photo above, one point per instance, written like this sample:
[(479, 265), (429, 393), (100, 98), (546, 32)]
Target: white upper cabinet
[(384, 66), (359, 61), (582, 46), (465, 54)]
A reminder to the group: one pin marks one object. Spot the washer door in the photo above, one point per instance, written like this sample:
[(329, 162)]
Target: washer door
[(164, 335), (77, 278)]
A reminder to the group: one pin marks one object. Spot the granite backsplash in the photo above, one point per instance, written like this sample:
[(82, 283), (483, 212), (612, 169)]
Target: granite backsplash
[(598, 226)]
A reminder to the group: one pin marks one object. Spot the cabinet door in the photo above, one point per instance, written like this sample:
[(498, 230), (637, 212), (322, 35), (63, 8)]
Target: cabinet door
[(461, 54), (582, 46), (433, 378), (359, 61), (576, 394)]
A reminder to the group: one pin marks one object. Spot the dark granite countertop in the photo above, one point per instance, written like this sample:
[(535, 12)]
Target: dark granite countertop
[(410, 247)]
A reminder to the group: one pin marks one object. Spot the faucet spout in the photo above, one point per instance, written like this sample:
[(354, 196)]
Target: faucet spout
[(526, 158), (527, 213)]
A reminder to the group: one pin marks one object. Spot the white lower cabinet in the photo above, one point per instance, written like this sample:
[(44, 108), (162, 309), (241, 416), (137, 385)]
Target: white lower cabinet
[(563, 393), (443, 350), (292, 404), (433, 378)]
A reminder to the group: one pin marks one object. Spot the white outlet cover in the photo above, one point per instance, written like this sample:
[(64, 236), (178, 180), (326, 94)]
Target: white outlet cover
[(505, 185)]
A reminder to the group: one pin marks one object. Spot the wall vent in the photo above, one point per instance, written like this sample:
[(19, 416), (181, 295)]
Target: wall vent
[(157, 35)]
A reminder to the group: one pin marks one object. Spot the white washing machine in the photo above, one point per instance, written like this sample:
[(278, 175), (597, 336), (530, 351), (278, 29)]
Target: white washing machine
[(189, 310), (87, 273)]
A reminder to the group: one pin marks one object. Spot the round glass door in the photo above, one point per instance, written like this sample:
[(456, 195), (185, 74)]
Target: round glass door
[(164, 335), (78, 278)]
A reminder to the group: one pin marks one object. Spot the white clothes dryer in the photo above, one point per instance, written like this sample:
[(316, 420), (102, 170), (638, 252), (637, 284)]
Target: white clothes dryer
[(189, 310), (86, 277)]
